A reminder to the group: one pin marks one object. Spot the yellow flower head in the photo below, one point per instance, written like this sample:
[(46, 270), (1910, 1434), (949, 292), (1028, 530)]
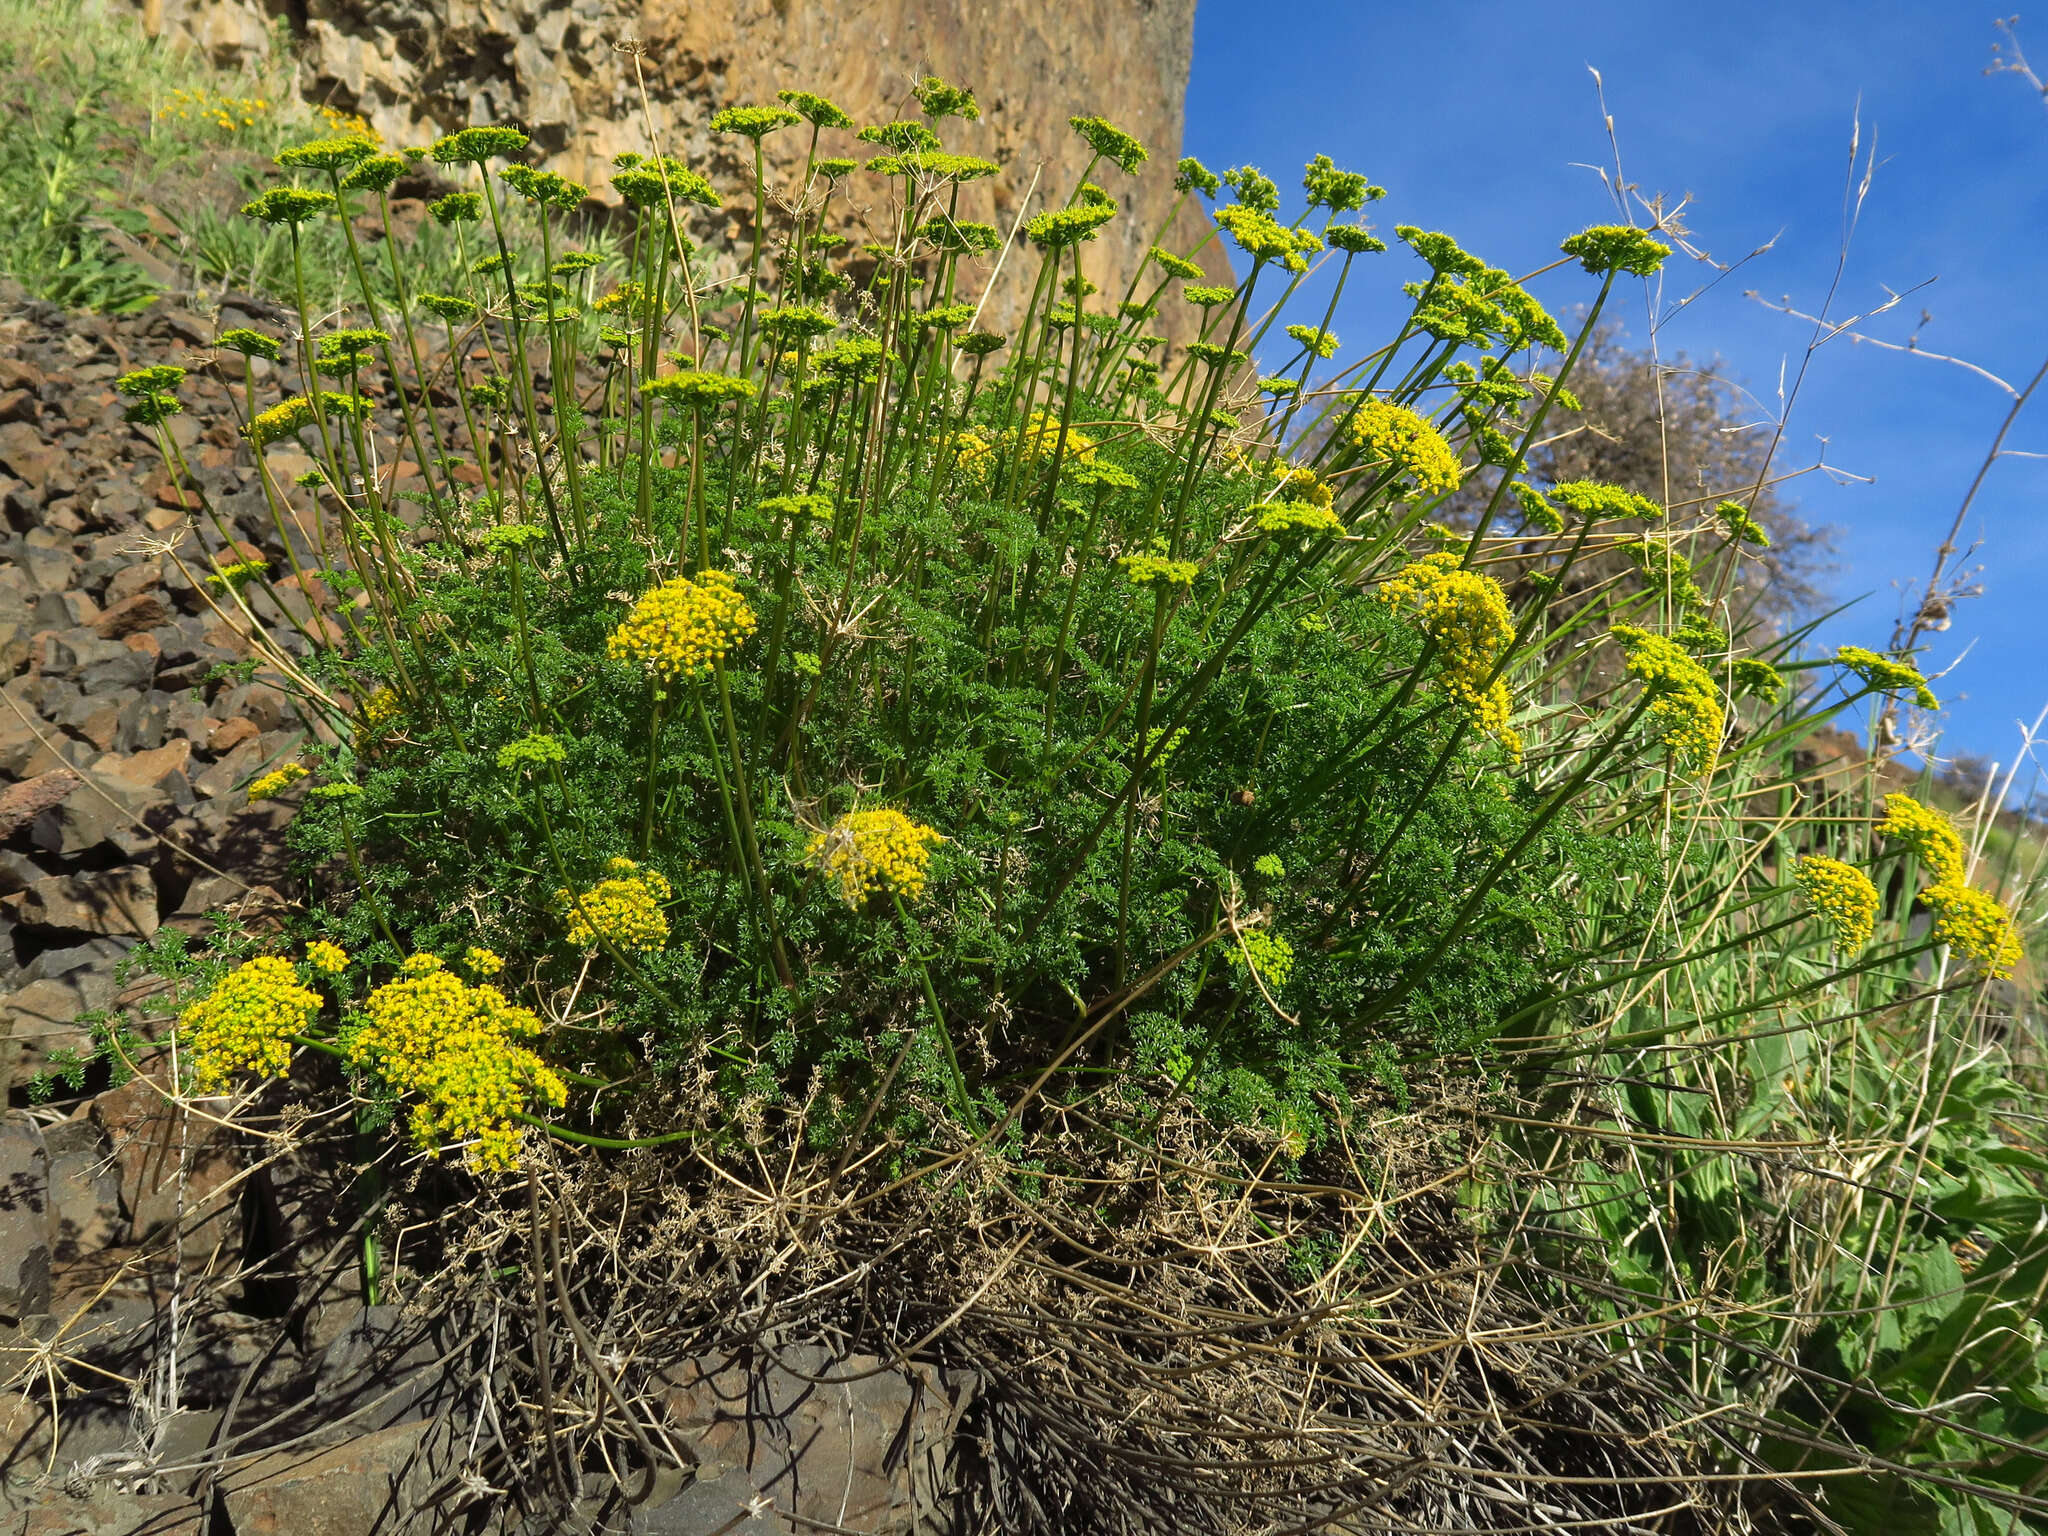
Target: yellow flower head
[(240, 572), (866, 849), (974, 456), (380, 709), (1976, 926), (328, 959), (482, 963), (1929, 833), (1303, 517), (683, 627), (1843, 897), (277, 781), (1467, 615), (246, 1022), (457, 1046), (625, 908), (1272, 957), (1685, 707), (1392, 434), (1043, 435), (1300, 483)]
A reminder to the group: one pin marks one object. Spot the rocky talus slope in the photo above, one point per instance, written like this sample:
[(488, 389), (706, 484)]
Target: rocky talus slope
[(414, 69)]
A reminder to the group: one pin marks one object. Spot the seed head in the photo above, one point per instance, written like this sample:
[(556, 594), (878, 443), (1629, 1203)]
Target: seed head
[(288, 205), (1110, 142), (474, 146), (332, 155), (814, 109)]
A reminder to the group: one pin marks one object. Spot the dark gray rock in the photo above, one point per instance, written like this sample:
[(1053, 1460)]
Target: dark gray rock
[(85, 1190), (847, 1441), (24, 1218)]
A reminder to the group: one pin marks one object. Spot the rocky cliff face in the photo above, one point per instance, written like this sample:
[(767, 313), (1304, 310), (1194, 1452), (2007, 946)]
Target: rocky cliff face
[(416, 68)]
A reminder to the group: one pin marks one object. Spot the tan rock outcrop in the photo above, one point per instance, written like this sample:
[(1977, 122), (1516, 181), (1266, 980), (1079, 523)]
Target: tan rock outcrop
[(416, 68)]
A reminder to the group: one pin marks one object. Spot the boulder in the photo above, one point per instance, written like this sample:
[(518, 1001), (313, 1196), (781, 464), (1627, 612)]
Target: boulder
[(22, 803), (121, 790), (372, 1485), (39, 1018), (170, 1167), (848, 1442), (113, 901), (29, 457), (144, 610), (24, 1218), (85, 1190)]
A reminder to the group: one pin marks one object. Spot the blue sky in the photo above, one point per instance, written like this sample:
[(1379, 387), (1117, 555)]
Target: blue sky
[(1472, 113)]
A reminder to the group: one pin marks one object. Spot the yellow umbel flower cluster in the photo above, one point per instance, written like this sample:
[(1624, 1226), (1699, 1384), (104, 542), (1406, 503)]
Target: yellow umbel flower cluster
[(328, 959), (277, 781), (1467, 615), (1843, 897), (246, 1023), (1685, 707), (625, 908), (457, 1046), (1976, 926), (866, 849), (1929, 833), (1300, 483), (683, 627), (1303, 517), (380, 709), (1272, 957), (1969, 922), (1392, 434), (1043, 435), (974, 456)]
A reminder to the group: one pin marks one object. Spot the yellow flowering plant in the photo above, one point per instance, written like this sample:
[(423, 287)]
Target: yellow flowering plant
[(827, 555), (879, 738)]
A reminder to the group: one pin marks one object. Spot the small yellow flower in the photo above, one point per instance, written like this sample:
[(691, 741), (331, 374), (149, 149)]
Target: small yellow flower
[(683, 627), (1303, 517), (1300, 483), (1975, 926), (625, 908), (1467, 615), (866, 849), (457, 1046), (1043, 435), (1394, 435), (246, 1023), (277, 781), (240, 572), (1843, 897), (1156, 569), (974, 457), (1271, 956), (380, 709), (328, 959), (1685, 707), (482, 963), (1929, 833)]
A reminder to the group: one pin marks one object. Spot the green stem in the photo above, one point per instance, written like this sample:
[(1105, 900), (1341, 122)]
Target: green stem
[(931, 997)]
